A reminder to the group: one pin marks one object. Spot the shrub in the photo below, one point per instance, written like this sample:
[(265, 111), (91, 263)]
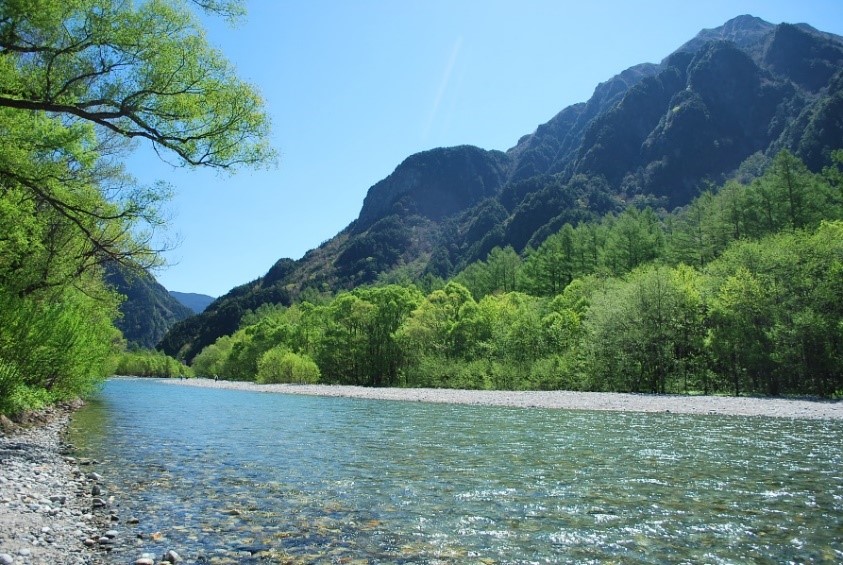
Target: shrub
[(279, 365)]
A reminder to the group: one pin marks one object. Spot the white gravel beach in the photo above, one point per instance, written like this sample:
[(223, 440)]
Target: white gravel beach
[(563, 400)]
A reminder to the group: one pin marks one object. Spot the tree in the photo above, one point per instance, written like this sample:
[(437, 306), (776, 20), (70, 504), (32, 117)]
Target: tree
[(645, 331), (550, 268), (140, 70), (342, 355), (634, 238), (78, 76), (776, 312), (392, 305), (79, 80), (280, 365), (498, 273), (210, 362)]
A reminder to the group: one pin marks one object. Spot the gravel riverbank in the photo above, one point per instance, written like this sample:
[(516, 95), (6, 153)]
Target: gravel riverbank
[(48, 511), (54, 508), (723, 405)]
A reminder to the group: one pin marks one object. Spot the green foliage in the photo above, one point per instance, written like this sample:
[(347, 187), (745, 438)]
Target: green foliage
[(776, 313), (210, 362), (716, 297), (279, 365), (645, 332), (146, 363), (137, 69), (498, 273), (57, 347), (78, 80)]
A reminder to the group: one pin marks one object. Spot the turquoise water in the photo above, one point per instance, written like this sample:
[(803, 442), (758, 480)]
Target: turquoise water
[(224, 474)]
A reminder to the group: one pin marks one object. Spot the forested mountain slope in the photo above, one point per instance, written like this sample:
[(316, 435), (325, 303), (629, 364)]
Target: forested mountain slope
[(656, 134), (194, 301), (148, 310)]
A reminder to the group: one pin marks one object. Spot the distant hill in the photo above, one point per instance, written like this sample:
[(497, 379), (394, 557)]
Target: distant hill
[(656, 134), (196, 302), (148, 310)]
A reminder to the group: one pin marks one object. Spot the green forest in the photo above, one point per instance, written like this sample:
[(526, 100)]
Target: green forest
[(739, 292)]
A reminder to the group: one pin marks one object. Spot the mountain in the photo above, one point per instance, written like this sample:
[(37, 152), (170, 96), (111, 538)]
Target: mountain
[(196, 302), (655, 134), (148, 310)]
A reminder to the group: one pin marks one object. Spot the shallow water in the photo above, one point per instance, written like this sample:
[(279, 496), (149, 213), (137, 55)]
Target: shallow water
[(223, 474)]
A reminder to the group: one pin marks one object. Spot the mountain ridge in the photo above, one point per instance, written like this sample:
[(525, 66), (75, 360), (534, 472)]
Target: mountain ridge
[(652, 134), (195, 301)]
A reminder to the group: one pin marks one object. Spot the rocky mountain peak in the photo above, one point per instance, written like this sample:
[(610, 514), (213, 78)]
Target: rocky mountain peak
[(744, 31)]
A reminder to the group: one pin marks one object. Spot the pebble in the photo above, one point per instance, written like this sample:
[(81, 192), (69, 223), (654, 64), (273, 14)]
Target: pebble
[(45, 512)]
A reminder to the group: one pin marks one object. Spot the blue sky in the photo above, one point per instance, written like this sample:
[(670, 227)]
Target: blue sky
[(356, 86)]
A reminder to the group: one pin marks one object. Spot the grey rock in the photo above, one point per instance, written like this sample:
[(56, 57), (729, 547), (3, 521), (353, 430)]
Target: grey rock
[(6, 559), (171, 557)]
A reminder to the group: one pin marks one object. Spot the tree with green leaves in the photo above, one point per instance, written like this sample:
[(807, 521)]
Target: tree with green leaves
[(79, 76), (645, 332), (280, 365), (634, 238), (775, 322), (79, 81)]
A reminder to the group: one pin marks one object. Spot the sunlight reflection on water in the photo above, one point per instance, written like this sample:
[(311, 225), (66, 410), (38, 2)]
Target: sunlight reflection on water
[(330, 479)]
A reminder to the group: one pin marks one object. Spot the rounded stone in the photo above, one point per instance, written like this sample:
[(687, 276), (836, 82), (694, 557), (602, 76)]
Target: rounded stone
[(6, 559), (172, 557)]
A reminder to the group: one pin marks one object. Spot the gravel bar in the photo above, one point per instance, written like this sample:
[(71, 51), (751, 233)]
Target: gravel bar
[(563, 400), (48, 512)]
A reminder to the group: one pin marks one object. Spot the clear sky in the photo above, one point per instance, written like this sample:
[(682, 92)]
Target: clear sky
[(356, 86)]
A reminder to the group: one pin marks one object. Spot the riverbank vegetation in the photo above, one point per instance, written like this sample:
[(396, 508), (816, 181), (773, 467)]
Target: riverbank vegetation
[(79, 79), (149, 363), (739, 292)]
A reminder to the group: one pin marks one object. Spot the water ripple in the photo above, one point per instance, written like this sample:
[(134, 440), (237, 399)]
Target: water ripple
[(235, 476)]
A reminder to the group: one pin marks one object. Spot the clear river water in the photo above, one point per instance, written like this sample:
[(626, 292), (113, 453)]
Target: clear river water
[(225, 476)]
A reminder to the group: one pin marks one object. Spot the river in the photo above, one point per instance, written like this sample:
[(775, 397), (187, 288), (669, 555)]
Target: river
[(226, 476)]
